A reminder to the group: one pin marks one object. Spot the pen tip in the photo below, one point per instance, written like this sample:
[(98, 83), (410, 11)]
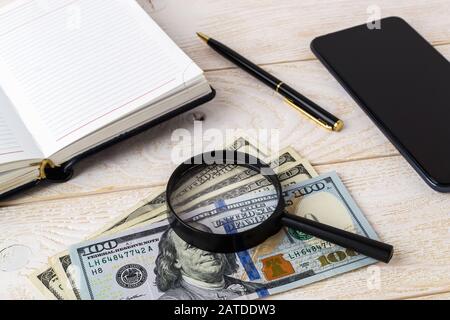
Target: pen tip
[(203, 36), (338, 125)]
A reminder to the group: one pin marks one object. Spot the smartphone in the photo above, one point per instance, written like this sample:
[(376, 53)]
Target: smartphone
[(403, 84)]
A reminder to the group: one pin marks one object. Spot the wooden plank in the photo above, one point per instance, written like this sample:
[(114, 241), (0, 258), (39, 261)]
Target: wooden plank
[(437, 296), (269, 31), (46, 228), (404, 213), (241, 102), (256, 106), (402, 210), (281, 30)]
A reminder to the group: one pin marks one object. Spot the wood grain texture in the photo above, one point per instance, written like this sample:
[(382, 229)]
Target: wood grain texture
[(279, 31), (47, 228), (275, 31), (438, 296), (276, 34), (241, 103), (402, 210), (404, 213)]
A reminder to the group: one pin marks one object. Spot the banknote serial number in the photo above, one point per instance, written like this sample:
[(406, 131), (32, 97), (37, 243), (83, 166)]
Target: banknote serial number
[(225, 310), (93, 263), (309, 250)]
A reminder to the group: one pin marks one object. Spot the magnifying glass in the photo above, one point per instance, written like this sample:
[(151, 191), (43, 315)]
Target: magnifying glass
[(246, 218)]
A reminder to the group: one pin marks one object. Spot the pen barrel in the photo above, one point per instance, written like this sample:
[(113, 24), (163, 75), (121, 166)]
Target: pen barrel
[(295, 99), (244, 63), (366, 246), (311, 108)]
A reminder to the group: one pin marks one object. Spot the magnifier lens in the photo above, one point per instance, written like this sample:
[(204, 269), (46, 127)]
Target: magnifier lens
[(235, 205), (223, 198)]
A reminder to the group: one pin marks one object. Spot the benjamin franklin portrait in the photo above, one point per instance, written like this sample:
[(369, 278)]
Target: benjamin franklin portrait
[(184, 272)]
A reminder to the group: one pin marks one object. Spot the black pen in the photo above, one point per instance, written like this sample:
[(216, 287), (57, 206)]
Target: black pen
[(292, 97)]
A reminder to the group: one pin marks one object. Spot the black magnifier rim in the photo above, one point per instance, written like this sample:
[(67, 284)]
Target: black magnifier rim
[(225, 243)]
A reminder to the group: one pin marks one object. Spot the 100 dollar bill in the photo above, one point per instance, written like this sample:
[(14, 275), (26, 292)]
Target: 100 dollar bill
[(154, 263), (291, 174), (148, 205), (212, 183), (148, 210), (292, 171), (48, 283)]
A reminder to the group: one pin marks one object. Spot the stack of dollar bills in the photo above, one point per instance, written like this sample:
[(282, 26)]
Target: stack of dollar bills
[(138, 256)]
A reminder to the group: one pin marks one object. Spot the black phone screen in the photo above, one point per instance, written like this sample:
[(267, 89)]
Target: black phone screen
[(403, 84)]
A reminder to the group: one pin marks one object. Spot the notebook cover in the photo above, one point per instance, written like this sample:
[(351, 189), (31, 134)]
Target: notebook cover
[(66, 170)]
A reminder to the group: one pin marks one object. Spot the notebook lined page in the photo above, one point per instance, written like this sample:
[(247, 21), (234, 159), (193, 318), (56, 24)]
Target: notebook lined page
[(72, 67)]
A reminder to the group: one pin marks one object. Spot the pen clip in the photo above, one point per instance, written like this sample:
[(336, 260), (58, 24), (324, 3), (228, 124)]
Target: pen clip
[(318, 121)]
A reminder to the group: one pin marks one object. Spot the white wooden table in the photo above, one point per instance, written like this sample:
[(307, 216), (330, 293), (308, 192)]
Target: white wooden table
[(275, 34)]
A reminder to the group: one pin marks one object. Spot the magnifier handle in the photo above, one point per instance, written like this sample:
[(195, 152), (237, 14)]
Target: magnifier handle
[(366, 246)]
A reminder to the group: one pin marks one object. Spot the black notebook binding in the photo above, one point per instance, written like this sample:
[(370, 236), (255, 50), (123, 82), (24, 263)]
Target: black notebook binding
[(50, 172)]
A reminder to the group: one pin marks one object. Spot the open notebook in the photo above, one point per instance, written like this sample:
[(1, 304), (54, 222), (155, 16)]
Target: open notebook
[(74, 74)]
